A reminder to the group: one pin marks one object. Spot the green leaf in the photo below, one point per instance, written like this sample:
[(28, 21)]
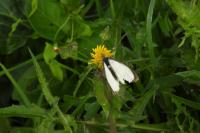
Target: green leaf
[(149, 32), (165, 25), (188, 17), (196, 45), (25, 82), (141, 103), (188, 57), (128, 118), (22, 111), (192, 104), (47, 93), (70, 50), (192, 76), (69, 101), (70, 5), (49, 54), (91, 110), (152, 127), (105, 34), (48, 17), (81, 28), (14, 33), (5, 125), (22, 130), (44, 126), (49, 57), (116, 104), (188, 13), (170, 81), (99, 89), (81, 102), (72, 121), (56, 69)]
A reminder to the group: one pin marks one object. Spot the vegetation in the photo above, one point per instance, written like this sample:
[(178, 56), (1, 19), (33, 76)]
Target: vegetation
[(48, 84)]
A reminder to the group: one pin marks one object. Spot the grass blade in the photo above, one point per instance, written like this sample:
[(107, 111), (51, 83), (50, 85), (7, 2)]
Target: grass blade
[(148, 31), (16, 86)]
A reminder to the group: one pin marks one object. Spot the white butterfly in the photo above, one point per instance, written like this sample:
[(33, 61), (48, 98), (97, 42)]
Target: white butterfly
[(117, 73)]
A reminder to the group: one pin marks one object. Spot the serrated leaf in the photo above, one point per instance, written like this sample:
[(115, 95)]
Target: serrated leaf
[(22, 111), (43, 83)]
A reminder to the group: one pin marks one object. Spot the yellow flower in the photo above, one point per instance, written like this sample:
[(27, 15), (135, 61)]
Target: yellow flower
[(98, 54)]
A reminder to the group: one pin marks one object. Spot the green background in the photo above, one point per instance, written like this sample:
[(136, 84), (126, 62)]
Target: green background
[(47, 85)]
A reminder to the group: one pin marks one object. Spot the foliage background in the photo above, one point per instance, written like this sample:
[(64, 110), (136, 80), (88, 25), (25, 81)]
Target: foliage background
[(46, 84)]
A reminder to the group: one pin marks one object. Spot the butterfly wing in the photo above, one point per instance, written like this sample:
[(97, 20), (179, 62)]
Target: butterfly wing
[(122, 71), (114, 84)]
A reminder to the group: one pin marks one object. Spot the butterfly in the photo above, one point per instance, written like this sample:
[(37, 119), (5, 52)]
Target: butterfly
[(117, 73)]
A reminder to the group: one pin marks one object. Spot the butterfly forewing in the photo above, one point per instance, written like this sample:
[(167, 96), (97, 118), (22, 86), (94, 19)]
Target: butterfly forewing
[(114, 84), (122, 72)]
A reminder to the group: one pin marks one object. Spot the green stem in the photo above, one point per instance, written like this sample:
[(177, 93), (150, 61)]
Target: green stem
[(112, 122), (83, 76), (62, 118), (69, 69), (72, 32), (85, 10), (61, 27)]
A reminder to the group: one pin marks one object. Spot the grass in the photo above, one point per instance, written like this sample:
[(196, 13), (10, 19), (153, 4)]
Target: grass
[(48, 85)]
